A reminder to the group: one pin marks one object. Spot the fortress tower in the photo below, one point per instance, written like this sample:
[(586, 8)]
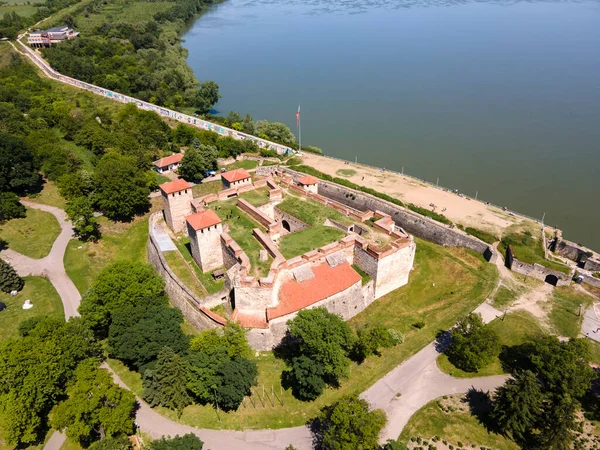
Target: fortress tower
[(309, 183), (204, 229), (177, 203)]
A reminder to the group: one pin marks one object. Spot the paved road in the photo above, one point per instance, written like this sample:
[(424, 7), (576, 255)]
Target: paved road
[(52, 265)]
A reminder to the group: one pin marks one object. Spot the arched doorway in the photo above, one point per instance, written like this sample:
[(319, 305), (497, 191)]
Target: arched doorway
[(551, 279), (286, 226)]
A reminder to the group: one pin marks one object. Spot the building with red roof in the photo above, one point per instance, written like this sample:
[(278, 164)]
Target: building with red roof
[(309, 183), (168, 163), (204, 229), (235, 178), (177, 203), (172, 187)]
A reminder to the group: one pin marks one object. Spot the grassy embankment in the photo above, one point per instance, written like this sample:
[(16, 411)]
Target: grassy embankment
[(445, 285), (248, 164), (45, 299), (24, 8), (33, 235)]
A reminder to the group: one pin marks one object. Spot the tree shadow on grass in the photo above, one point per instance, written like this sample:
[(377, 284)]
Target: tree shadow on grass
[(480, 406), (443, 340)]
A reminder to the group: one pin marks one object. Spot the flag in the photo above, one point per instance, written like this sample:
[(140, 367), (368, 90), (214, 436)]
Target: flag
[(298, 117)]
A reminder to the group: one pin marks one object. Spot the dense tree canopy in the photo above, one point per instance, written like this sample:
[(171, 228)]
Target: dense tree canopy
[(186, 442), (34, 372), (96, 406), (10, 206), (81, 213), (117, 286), (349, 425), (473, 344), (9, 279), (18, 170), (197, 160)]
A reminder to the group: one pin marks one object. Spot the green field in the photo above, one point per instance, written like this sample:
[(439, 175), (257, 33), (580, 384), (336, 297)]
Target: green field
[(184, 272), (309, 211), (458, 426), (257, 197), (504, 297), (24, 8), (445, 285), (43, 296), (208, 282), (49, 195), (33, 235), (120, 241), (300, 242), (247, 164), (565, 308), (212, 187)]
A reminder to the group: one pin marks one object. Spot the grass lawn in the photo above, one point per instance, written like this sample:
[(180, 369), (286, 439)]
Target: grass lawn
[(18, 6), (240, 230), (184, 272), (504, 297), (208, 282), (565, 307), (247, 164), (202, 189), (45, 299), (160, 179), (33, 235), (120, 241), (456, 426), (517, 327), (49, 196), (595, 351), (71, 445), (462, 281), (257, 197), (309, 211), (300, 242)]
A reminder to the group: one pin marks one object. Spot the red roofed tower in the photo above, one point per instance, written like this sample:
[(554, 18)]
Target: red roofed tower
[(204, 229), (177, 203)]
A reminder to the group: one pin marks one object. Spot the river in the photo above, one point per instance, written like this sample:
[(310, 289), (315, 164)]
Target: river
[(499, 97)]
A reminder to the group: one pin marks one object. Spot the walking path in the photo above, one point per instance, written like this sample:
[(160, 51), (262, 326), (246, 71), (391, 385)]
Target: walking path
[(51, 266), (418, 379)]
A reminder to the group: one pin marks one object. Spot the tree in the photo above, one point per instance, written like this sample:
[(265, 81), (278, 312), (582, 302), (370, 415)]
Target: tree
[(18, 170), (111, 443), (206, 97), (394, 445), (186, 442), (275, 131), (76, 184), (138, 333), (122, 189), (34, 372), (517, 407), (234, 117), (81, 213), (96, 406), (166, 384), (10, 207), (349, 425), (473, 345), (9, 280), (305, 377), (118, 285), (236, 376), (324, 338), (197, 160), (370, 339)]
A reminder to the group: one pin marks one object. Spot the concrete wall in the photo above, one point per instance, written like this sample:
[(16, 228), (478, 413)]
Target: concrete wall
[(176, 206)]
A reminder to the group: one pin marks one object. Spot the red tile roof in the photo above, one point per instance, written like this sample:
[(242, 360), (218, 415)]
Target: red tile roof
[(308, 179), (235, 175), (175, 186), (168, 160), (203, 219), (250, 319), (327, 281)]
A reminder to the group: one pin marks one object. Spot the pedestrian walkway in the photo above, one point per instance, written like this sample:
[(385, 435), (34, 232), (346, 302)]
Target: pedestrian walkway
[(591, 322)]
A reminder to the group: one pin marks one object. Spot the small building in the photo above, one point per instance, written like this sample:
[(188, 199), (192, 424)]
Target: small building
[(168, 163), (309, 183), (235, 178), (51, 36), (177, 203), (204, 230)]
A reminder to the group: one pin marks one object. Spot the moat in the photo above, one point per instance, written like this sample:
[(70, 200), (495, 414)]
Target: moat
[(511, 114)]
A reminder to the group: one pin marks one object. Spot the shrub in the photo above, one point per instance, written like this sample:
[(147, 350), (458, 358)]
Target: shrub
[(9, 280), (473, 344), (396, 337), (312, 149), (267, 153), (419, 324), (483, 235), (431, 214)]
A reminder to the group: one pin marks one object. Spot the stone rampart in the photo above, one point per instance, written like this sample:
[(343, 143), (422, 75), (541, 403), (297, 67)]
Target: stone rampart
[(294, 223), (271, 226), (536, 271), (592, 281)]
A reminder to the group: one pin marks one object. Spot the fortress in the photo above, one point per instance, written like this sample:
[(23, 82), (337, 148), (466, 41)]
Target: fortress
[(371, 258)]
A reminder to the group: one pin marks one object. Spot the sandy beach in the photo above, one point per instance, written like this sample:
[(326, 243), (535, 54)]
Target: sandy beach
[(461, 210)]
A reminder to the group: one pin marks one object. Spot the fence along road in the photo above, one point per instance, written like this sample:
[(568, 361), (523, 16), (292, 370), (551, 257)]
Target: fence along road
[(165, 112)]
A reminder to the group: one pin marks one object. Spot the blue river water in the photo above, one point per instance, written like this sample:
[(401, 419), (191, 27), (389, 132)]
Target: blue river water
[(500, 97)]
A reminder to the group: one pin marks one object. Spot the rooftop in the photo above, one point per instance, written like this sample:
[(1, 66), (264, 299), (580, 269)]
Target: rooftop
[(203, 219), (235, 175), (308, 180), (57, 29), (175, 186), (168, 160), (327, 280)]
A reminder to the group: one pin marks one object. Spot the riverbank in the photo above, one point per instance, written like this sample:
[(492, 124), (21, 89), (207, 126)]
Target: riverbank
[(461, 210)]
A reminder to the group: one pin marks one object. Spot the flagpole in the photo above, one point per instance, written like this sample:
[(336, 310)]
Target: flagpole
[(299, 130)]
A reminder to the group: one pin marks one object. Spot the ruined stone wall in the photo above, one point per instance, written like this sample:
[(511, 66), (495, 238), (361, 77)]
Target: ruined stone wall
[(592, 281), (295, 224), (229, 258), (592, 265), (256, 214), (539, 272), (254, 297), (410, 221)]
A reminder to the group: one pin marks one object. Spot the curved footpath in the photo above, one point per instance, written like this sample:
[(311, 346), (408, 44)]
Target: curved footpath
[(418, 380)]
